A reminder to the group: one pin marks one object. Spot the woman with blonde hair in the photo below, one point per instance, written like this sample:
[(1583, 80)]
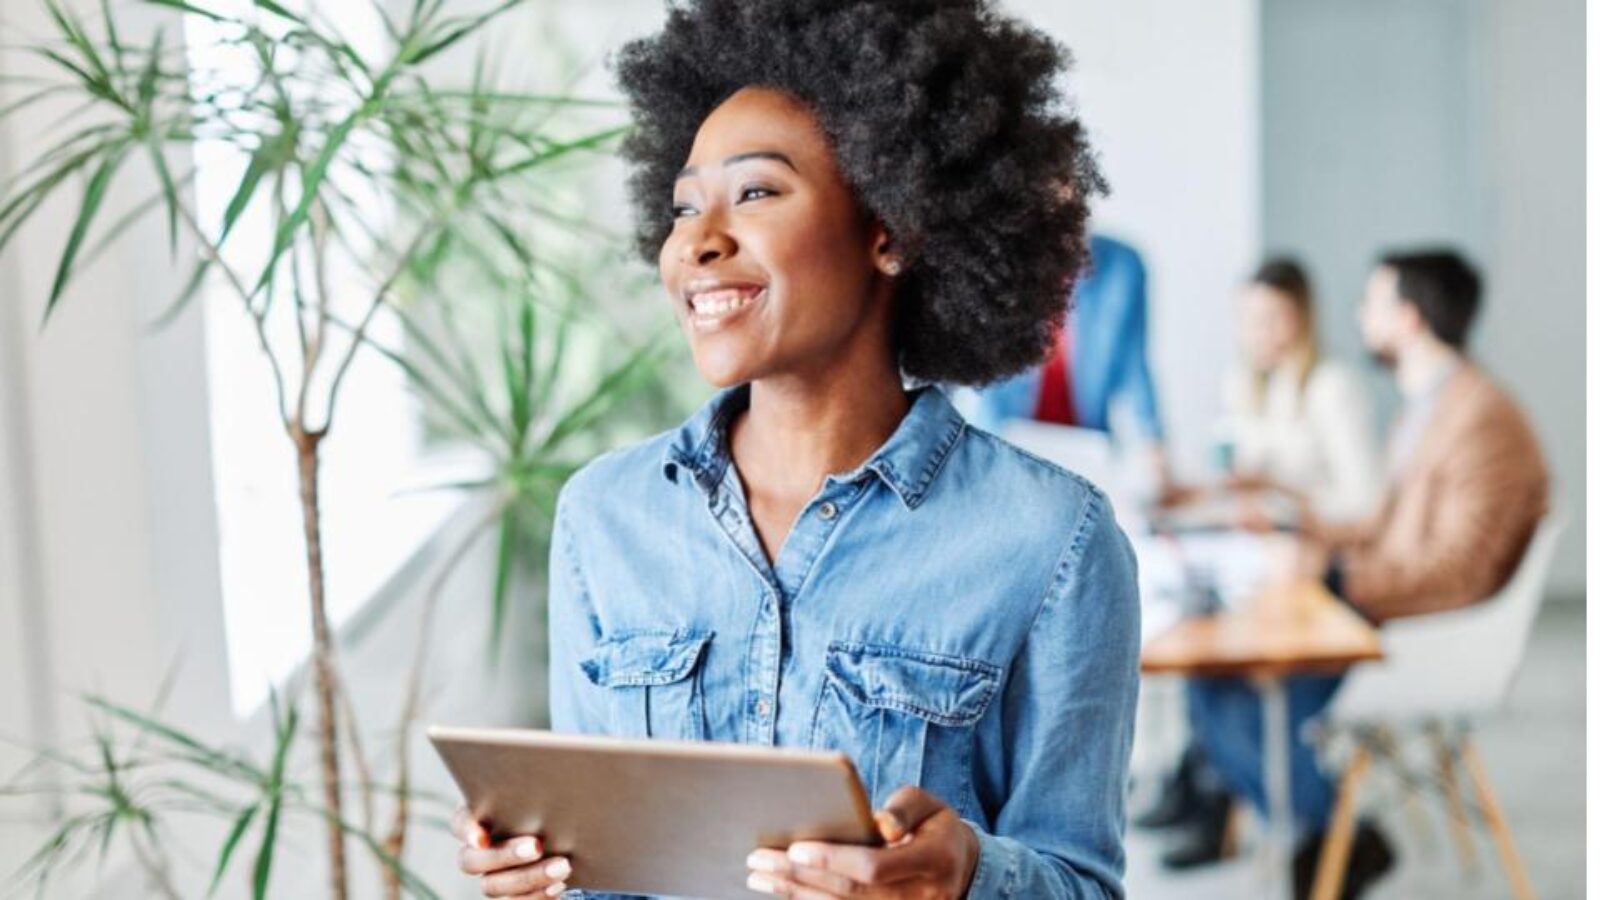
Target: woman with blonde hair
[(1300, 422)]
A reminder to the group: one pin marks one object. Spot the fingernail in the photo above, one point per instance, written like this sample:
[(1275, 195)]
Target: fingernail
[(559, 869), (480, 837), (759, 882), (805, 856), (555, 890), (764, 862), (527, 848), (889, 825)]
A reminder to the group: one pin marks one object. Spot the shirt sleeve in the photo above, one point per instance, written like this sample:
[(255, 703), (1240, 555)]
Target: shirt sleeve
[(576, 704), (1134, 382), (1068, 721)]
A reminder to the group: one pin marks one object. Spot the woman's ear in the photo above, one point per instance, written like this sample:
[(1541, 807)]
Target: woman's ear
[(885, 255)]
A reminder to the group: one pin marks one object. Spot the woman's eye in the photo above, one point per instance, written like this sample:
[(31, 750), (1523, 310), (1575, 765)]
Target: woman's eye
[(679, 210), (756, 193)]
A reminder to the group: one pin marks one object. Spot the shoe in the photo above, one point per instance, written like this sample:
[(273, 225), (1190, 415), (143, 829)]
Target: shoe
[(1371, 858), (1179, 800), (1204, 838)]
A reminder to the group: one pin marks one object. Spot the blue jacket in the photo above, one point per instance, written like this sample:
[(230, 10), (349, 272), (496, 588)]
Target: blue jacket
[(954, 614), (1109, 363)]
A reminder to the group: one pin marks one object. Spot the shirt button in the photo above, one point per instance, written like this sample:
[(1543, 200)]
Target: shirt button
[(827, 511), (763, 707)]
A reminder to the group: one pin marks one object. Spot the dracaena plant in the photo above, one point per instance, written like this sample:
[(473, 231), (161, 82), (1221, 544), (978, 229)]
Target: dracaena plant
[(359, 164)]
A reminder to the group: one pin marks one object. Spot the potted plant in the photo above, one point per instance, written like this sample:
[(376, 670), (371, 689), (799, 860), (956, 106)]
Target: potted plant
[(326, 128)]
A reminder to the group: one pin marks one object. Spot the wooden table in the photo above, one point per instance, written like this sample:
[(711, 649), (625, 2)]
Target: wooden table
[(1290, 629)]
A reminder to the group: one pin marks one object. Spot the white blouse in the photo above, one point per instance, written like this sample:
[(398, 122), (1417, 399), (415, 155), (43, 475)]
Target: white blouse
[(1317, 439)]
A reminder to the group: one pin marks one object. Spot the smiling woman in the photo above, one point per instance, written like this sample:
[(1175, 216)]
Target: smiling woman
[(847, 200)]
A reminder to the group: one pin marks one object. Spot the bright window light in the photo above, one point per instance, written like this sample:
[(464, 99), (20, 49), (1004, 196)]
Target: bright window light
[(371, 524)]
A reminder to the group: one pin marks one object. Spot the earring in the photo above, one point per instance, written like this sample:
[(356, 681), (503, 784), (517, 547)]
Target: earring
[(892, 267)]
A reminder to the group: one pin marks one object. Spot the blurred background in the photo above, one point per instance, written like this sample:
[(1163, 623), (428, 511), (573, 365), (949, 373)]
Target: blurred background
[(150, 551)]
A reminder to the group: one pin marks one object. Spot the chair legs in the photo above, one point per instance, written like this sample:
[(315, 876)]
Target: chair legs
[(1460, 826), (1335, 853), (1521, 888)]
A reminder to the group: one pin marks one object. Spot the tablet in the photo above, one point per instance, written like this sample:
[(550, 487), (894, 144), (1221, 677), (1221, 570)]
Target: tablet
[(654, 817)]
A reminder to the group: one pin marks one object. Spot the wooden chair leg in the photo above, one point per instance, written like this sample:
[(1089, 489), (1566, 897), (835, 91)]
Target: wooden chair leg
[(1521, 888), (1459, 824), (1335, 856)]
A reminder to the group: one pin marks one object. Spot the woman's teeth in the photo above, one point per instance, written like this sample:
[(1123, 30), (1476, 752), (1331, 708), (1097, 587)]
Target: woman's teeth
[(720, 303)]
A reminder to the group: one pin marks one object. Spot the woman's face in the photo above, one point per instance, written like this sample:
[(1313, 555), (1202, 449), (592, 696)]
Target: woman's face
[(1270, 328), (770, 267)]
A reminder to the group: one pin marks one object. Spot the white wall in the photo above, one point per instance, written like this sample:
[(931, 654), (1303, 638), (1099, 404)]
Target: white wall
[(1169, 91)]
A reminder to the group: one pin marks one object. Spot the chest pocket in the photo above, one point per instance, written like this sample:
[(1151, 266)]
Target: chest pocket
[(653, 680), (904, 717)]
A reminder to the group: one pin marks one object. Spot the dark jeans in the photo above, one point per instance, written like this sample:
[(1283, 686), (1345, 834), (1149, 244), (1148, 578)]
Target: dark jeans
[(1226, 718)]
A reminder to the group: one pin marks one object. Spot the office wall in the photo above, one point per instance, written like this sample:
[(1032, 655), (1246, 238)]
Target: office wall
[(1169, 90), (1393, 122)]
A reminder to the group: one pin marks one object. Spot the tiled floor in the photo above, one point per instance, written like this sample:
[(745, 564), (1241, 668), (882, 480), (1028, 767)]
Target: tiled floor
[(1534, 752)]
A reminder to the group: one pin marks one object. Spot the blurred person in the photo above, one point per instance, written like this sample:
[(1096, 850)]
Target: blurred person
[(825, 555), (1300, 422), (1300, 425), (1097, 360), (1467, 487)]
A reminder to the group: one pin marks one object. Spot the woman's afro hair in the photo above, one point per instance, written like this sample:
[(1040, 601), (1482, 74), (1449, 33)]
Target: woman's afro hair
[(946, 122)]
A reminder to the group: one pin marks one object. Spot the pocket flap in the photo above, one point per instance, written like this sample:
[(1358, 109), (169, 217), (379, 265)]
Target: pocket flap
[(644, 658), (948, 690)]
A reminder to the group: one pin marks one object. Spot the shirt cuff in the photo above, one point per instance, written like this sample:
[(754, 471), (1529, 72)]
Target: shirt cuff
[(1334, 577), (995, 876)]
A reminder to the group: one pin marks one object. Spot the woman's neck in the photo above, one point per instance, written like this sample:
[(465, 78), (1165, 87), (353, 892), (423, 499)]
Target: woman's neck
[(798, 430)]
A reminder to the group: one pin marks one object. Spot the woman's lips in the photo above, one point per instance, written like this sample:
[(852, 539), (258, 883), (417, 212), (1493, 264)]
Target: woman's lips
[(716, 308)]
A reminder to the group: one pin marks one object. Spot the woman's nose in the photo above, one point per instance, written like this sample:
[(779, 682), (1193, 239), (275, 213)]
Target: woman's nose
[(706, 244)]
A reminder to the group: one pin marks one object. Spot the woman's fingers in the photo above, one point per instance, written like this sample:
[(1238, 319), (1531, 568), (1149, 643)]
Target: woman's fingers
[(515, 852), (860, 865), (905, 811), (537, 879)]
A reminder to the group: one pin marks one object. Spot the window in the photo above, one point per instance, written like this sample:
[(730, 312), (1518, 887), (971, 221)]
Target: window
[(374, 452)]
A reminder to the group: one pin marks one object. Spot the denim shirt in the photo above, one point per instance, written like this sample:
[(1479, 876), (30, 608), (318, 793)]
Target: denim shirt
[(953, 613)]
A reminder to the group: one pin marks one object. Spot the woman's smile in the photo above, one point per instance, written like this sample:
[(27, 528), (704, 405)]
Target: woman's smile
[(716, 305)]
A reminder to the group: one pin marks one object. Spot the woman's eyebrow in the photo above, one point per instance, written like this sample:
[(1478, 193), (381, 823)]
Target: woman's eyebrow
[(687, 171)]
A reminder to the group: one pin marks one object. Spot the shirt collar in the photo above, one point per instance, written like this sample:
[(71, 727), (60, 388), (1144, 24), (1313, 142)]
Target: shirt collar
[(908, 461)]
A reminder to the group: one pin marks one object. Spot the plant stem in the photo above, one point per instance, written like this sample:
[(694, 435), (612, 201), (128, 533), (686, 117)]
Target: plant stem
[(394, 843), (307, 444)]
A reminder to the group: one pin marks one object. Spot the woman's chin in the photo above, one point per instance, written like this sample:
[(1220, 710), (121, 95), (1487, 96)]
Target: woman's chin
[(721, 369)]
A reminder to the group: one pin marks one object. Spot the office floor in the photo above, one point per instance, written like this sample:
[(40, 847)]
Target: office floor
[(1534, 752)]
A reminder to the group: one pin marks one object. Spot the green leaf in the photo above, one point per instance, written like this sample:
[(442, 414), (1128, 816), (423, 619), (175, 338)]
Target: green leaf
[(505, 562), (211, 758), (278, 10), (196, 279), (261, 162), (558, 150), (93, 194), (169, 193), (190, 8), (146, 89), (450, 34), (269, 833), (228, 846), (310, 183)]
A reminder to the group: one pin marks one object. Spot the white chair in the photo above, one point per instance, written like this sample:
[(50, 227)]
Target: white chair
[(1440, 674)]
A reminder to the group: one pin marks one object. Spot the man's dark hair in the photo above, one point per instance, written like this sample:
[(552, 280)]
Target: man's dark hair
[(947, 125), (1443, 286)]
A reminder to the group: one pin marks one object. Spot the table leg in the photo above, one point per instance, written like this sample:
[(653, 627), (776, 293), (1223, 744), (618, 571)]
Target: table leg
[(1279, 843)]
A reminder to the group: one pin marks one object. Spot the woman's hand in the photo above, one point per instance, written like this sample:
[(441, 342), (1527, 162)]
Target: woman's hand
[(512, 868), (931, 855)]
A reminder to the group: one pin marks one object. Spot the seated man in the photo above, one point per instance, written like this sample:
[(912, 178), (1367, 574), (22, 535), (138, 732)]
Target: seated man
[(1467, 487)]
